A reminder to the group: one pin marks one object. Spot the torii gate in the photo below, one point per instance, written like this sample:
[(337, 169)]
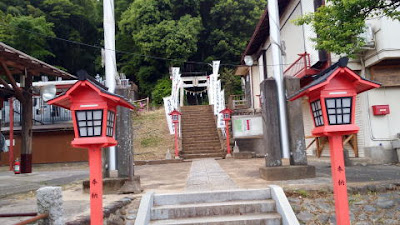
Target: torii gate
[(193, 81)]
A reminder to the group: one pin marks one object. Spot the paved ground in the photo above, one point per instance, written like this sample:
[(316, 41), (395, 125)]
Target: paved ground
[(207, 175), (172, 178)]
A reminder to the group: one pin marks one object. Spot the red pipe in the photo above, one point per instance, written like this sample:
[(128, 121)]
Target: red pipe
[(176, 140), (228, 147), (11, 152)]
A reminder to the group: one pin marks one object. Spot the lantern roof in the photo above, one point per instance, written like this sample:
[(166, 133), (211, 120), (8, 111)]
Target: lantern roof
[(338, 69), (64, 100), (175, 112), (226, 110)]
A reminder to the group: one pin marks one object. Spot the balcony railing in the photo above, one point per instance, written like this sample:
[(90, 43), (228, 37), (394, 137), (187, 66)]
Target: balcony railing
[(238, 102), (43, 114), (301, 67)]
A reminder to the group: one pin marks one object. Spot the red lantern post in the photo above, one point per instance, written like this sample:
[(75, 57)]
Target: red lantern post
[(227, 117), (175, 119), (332, 98), (94, 114)]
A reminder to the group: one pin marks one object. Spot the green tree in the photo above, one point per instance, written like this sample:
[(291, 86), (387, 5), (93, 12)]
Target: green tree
[(162, 89), (33, 42), (339, 23), (149, 28), (232, 84)]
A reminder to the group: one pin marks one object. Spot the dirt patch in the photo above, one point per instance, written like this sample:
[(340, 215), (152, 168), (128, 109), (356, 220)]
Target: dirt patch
[(151, 135)]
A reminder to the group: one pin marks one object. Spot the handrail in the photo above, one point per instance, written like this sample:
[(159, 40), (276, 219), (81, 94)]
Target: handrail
[(301, 64), (34, 219), (17, 214)]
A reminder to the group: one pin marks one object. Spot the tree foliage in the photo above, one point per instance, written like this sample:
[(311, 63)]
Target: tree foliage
[(339, 23)]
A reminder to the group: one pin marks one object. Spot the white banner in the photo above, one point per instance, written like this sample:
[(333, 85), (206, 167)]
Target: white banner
[(215, 65), (168, 106), (217, 97), (220, 121)]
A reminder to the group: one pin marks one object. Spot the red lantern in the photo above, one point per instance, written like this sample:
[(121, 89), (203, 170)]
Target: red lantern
[(332, 98), (94, 114), (226, 113), (175, 119)]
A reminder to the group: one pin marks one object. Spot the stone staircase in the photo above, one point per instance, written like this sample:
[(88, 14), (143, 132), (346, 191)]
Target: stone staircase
[(230, 207), (199, 133)]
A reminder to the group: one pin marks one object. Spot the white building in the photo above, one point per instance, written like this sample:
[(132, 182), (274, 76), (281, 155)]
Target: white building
[(380, 62)]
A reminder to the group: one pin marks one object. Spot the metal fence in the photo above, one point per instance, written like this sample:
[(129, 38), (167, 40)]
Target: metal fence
[(43, 114)]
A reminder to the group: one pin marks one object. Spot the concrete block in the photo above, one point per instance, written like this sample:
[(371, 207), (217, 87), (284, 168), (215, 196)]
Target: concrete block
[(131, 186), (287, 172), (49, 200), (212, 209), (244, 155), (255, 145), (380, 155), (283, 206), (144, 211), (211, 196), (395, 144)]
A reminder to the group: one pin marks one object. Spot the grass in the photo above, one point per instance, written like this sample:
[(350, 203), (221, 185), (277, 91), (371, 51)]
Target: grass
[(151, 135)]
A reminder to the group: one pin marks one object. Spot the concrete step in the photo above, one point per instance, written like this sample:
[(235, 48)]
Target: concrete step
[(203, 144), (212, 196), (203, 151), (249, 219), (200, 138), (202, 155), (212, 209)]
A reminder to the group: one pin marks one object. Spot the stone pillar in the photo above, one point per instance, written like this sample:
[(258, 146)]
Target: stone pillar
[(124, 134), (270, 115), (49, 200), (297, 143)]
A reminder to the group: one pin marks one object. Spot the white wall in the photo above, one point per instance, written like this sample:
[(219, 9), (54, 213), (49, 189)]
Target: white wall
[(387, 36)]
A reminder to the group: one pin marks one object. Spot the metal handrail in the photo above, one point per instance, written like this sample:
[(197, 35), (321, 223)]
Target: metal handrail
[(34, 219), (17, 214), (301, 64)]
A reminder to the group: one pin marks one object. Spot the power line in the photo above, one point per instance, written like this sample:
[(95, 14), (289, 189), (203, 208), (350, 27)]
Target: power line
[(119, 51)]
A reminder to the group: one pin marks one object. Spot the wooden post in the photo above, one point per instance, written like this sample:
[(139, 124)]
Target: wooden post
[(26, 128), (11, 137), (339, 180)]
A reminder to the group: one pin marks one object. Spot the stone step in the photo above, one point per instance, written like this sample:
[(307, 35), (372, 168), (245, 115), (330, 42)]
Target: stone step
[(212, 209), (202, 151), (200, 138), (202, 155), (201, 147), (248, 219), (197, 142), (212, 196)]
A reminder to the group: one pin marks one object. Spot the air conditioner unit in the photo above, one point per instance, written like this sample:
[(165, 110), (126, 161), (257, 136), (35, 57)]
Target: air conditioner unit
[(369, 37)]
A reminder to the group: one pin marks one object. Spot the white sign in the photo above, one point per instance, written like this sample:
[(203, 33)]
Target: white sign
[(168, 106), (220, 121), (217, 97), (247, 126)]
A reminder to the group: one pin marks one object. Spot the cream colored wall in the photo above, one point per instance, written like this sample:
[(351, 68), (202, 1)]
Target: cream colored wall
[(380, 130), (387, 36)]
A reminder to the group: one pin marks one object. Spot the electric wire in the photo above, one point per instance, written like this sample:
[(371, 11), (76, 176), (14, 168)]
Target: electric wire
[(124, 52)]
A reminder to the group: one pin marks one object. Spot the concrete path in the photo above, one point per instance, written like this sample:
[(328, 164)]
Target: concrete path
[(206, 175)]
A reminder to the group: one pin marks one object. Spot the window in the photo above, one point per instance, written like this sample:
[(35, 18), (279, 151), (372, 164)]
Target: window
[(339, 110), (110, 123), (89, 122), (317, 113)]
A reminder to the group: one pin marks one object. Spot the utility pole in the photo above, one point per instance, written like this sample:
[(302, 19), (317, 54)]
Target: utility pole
[(110, 60), (275, 38)]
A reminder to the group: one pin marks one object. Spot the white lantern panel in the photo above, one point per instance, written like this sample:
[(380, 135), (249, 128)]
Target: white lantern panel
[(339, 110), (89, 122)]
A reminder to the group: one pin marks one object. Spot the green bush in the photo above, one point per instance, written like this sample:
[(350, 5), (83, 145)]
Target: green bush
[(161, 90)]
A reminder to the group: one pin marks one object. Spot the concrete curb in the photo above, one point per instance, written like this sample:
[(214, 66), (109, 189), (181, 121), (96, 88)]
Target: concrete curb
[(144, 211), (283, 206), (157, 162)]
